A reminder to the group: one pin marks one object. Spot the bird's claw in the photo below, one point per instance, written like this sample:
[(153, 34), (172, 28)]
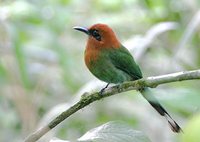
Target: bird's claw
[(102, 90)]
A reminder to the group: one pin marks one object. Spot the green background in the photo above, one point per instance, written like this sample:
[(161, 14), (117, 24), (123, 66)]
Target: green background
[(42, 71)]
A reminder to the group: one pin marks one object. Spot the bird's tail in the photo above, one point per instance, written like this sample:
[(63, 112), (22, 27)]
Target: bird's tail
[(147, 94)]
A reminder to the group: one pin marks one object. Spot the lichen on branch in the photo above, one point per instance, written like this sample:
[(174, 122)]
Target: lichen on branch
[(89, 98)]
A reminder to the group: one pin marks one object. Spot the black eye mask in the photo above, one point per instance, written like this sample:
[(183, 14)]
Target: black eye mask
[(95, 34)]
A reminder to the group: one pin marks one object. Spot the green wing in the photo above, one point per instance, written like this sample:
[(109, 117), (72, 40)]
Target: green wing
[(123, 60)]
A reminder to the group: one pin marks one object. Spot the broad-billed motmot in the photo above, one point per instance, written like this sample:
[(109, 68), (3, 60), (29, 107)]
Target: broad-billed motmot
[(111, 62)]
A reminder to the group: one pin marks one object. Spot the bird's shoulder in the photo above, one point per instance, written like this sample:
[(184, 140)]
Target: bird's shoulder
[(124, 61)]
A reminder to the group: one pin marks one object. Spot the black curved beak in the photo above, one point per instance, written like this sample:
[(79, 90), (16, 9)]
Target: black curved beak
[(82, 29)]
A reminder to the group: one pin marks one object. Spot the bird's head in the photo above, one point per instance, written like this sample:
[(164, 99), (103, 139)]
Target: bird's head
[(100, 36)]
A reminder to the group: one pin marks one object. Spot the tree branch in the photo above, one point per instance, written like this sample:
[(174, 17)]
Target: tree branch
[(88, 98)]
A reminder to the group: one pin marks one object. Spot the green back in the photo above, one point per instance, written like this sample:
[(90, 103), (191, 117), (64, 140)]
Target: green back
[(115, 65), (123, 60)]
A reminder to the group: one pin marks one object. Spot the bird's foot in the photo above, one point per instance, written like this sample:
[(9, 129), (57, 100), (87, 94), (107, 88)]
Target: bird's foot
[(102, 90)]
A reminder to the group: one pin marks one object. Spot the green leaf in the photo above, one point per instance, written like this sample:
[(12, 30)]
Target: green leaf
[(191, 131), (114, 131), (58, 140)]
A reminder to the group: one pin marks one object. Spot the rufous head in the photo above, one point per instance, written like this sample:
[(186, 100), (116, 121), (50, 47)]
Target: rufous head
[(100, 36)]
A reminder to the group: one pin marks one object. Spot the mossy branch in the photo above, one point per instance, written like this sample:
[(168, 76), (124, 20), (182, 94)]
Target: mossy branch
[(89, 98)]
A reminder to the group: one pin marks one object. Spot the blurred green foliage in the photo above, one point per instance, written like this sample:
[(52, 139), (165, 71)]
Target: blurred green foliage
[(192, 130), (41, 63)]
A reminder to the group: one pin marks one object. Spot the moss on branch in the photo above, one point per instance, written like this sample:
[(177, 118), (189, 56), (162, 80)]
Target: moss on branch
[(89, 98)]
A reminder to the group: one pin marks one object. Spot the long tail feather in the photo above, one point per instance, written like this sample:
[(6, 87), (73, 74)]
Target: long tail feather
[(157, 106)]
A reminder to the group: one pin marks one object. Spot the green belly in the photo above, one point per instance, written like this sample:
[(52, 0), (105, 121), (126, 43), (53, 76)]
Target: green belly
[(106, 71)]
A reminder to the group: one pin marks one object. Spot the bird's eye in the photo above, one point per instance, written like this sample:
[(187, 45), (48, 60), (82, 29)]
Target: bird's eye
[(96, 35)]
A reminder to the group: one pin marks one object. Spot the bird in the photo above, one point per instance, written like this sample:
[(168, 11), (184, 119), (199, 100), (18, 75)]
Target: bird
[(109, 61)]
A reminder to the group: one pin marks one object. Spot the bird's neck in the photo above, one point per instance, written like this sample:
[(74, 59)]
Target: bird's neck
[(91, 55), (94, 49)]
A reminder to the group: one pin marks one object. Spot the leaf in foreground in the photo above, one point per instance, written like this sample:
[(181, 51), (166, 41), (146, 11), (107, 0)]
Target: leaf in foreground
[(114, 132), (57, 140), (191, 131)]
